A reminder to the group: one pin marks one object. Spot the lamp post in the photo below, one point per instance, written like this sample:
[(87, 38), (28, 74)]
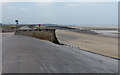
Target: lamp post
[(16, 22), (16, 25)]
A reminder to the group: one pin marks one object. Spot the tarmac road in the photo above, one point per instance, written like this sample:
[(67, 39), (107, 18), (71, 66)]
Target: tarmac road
[(23, 54)]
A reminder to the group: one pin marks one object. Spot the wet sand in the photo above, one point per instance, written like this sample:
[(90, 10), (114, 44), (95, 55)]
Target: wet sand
[(95, 27), (99, 44)]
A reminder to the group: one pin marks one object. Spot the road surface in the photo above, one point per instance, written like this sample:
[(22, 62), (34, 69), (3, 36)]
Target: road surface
[(23, 54)]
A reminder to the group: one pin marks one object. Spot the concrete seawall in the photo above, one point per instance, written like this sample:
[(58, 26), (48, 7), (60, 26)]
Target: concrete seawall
[(45, 34), (8, 29)]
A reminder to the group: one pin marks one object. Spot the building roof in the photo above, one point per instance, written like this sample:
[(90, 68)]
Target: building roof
[(24, 28)]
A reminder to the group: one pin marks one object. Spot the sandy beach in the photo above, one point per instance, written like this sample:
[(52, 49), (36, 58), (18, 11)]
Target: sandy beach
[(99, 44)]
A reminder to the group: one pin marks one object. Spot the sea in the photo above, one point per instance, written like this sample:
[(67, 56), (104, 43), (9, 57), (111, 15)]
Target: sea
[(112, 33)]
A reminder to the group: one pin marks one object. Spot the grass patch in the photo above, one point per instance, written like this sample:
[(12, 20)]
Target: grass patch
[(8, 26)]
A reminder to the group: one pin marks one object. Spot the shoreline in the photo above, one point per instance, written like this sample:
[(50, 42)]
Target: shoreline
[(95, 27)]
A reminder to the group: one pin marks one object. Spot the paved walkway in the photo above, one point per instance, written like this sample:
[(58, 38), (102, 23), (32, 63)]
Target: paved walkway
[(23, 54)]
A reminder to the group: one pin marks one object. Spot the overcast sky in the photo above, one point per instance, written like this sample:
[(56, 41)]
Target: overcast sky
[(79, 13), (60, 0)]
